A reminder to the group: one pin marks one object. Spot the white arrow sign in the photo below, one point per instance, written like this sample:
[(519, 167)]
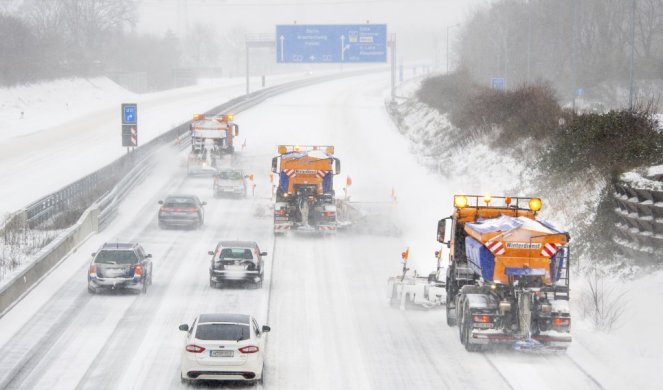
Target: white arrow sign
[(342, 48), (282, 38)]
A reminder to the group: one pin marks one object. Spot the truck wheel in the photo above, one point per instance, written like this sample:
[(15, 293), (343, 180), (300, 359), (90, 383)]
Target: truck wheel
[(466, 331), (450, 320)]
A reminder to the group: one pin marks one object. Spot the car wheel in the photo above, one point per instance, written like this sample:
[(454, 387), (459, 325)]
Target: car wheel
[(212, 283), (262, 375), (184, 380), (91, 290), (144, 289)]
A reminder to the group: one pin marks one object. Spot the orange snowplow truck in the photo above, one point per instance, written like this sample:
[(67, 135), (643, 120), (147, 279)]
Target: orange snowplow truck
[(305, 193), (211, 138), (508, 275)]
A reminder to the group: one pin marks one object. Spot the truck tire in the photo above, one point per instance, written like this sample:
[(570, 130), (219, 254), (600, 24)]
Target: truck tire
[(465, 333), (451, 294), (450, 320)]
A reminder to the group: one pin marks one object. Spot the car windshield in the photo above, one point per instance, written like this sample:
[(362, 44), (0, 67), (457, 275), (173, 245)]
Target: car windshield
[(180, 202), (116, 257), (180, 205), (236, 332), (236, 254), (230, 175)]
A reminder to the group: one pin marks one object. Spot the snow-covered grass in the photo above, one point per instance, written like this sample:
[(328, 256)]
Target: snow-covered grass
[(18, 246), (30, 108)]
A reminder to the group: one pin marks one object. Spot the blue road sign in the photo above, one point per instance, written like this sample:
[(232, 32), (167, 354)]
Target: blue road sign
[(331, 43), (129, 114), (498, 83), (580, 92)]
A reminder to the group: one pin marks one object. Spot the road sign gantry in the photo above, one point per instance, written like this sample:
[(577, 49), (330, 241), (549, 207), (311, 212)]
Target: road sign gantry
[(331, 43)]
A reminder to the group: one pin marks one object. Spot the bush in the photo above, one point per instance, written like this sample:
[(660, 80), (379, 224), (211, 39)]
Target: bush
[(447, 93), (613, 143), (528, 111), (602, 302)]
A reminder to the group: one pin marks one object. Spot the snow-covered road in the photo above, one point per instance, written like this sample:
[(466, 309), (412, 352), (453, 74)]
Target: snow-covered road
[(325, 299)]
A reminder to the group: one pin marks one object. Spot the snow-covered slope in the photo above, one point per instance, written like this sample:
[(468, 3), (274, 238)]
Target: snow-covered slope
[(633, 347)]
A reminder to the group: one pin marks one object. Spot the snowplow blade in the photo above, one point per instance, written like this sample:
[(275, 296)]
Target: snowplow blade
[(414, 292), (538, 343), (375, 218)]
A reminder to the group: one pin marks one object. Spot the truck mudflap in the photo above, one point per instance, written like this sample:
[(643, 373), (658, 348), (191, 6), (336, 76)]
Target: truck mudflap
[(547, 340), (327, 228), (282, 227)]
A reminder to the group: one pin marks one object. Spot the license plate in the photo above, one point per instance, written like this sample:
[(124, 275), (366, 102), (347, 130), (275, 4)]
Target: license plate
[(221, 353), (235, 267)]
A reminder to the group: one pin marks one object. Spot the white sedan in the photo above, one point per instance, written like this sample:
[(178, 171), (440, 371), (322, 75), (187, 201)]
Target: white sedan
[(223, 346)]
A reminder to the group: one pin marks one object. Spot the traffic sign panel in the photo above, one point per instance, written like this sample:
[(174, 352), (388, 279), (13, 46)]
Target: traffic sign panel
[(331, 43), (498, 83), (129, 135), (129, 113)]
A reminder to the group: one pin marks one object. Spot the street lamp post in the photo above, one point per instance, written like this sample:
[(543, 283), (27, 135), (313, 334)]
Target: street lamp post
[(631, 70), (448, 28)]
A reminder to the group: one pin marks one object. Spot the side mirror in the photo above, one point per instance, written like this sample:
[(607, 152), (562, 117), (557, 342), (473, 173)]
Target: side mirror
[(263, 253), (442, 231), (94, 254), (275, 165), (337, 166), (266, 329), (203, 203), (161, 202), (149, 256), (184, 327), (211, 253), (236, 127)]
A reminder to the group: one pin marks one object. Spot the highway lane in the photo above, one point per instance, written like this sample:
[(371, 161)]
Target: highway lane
[(332, 326)]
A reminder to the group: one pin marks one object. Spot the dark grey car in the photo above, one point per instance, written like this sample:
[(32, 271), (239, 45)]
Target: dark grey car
[(236, 261), (120, 266), (181, 211)]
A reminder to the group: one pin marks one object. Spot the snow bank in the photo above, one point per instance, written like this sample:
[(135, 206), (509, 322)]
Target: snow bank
[(30, 108)]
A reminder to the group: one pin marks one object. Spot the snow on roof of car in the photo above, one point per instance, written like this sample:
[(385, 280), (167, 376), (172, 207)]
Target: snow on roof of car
[(224, 317), (239, 244), (118, 245)]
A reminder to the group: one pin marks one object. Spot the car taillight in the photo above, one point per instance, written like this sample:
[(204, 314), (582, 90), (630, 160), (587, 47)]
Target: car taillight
[(167, 209), (93, 269), (330, 213), (483, 319), (138, 270), (249, 349), (561, 321), (190, 210), (194, 348)]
